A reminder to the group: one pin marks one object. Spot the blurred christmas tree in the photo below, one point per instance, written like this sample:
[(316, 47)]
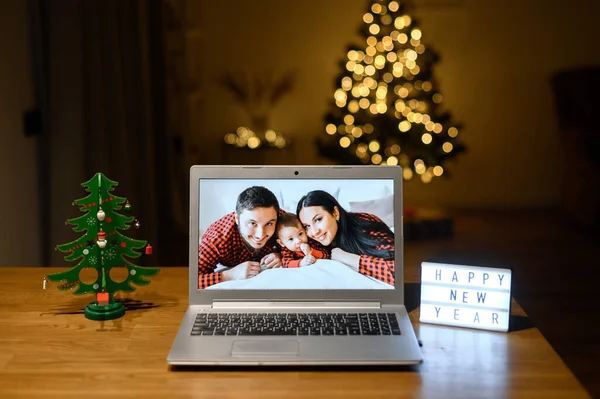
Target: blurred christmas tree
[(387, 108)]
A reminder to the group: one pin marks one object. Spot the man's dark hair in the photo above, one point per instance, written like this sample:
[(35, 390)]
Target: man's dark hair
[(288, 219), (256, 197)]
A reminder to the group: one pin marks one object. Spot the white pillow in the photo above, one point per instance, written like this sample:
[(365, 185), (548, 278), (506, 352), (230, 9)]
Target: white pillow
[(383, 208), (363, 191)]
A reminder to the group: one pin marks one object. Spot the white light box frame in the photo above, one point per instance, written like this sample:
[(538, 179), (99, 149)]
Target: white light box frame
[(466, 296)]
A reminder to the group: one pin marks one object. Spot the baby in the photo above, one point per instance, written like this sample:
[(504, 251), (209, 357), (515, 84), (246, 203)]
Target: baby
[(295, 250)]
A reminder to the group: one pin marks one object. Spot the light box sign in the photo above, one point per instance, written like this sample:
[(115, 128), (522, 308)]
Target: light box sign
[(465, 296)]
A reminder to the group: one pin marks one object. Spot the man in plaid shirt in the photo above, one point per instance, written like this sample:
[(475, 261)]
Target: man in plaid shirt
[(243, 240)]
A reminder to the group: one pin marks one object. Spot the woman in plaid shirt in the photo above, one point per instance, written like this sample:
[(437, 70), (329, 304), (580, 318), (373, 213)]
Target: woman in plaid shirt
[(361, 241)]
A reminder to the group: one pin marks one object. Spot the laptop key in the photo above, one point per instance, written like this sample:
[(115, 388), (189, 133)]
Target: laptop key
[(371, 332)]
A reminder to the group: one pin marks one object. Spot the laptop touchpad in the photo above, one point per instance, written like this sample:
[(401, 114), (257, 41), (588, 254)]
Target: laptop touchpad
[(265, 348)]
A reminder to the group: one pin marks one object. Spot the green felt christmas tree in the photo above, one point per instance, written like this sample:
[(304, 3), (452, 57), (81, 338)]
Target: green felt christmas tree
[(102, 247)]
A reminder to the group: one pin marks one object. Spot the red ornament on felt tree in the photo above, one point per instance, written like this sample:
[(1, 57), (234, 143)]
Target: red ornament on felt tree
[(101, 239)]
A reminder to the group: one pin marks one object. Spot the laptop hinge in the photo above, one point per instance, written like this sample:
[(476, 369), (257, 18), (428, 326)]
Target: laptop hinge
[(294, 305)]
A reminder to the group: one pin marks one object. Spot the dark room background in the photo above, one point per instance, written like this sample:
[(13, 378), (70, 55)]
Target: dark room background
[(131, 89)]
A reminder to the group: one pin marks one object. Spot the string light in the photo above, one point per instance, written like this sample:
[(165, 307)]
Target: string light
[(253, 142), (374, 29), (376, 8), (399, 23), (245, 137), (346, 83), (374, 146), (340, 95)]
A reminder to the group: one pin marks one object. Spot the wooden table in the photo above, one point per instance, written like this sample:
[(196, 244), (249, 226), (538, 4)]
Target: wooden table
[(49, 349)]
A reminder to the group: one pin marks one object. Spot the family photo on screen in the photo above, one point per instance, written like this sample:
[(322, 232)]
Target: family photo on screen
[(312, 242)]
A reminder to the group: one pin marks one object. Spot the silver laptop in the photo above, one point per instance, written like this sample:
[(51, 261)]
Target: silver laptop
[(295, 265)]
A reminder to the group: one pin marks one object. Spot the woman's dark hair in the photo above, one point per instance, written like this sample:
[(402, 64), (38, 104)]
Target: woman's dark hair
[(353, 232), (256, 197)]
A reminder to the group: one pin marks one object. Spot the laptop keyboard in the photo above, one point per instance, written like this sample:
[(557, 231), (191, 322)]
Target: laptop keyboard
[(296, 324)]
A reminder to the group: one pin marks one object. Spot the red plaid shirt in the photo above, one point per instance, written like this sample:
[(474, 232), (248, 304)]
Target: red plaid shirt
[(291, 259), (223, 244), (378, 268)]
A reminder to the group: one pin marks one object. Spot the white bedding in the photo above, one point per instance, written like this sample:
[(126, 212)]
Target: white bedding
[(323, 274)]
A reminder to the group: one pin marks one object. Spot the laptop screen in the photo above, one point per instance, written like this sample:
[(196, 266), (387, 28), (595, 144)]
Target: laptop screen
[(293, 234)]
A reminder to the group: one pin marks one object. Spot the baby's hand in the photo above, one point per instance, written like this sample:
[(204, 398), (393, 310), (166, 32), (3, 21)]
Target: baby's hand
[(307, 260), (305, 248)]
